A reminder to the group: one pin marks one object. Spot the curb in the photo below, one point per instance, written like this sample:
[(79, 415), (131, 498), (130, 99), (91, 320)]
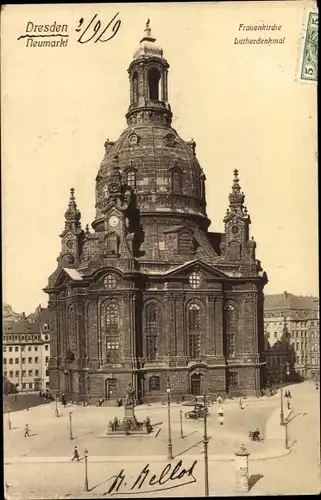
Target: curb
[(276, 453)]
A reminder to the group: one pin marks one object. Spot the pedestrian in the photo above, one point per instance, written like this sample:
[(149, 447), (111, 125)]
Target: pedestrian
[(76, 454), (241, 404), (289, 394), (219, 400), (286, 394), (288, 404), (27, 431), (220, 414)]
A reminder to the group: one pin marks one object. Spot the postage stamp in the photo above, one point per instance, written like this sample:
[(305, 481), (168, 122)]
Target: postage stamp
[(309, 69)]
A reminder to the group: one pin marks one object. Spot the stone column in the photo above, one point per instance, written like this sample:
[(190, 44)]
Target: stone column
[(242, 469), (218, 318)]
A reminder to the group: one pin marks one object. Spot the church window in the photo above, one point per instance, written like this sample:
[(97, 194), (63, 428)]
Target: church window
[(110, 281), (135, 87), (184, 242), (170, 140), (202, 185), (152, 331), (194, 327), (176, 180), (153, 84), (131, 178), (112, 333), (133, 139), (154, 383), (231, 330), (112, 245), (195, 280), (233, 379)]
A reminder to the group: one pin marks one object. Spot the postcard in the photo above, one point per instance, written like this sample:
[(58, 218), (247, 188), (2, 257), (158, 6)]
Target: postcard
[(160, 249)]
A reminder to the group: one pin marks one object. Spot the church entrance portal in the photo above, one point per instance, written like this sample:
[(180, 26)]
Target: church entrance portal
[(196, 384), (110, 388)]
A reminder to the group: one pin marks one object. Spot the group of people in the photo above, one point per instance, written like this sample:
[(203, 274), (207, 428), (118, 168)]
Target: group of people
[(46, 395)]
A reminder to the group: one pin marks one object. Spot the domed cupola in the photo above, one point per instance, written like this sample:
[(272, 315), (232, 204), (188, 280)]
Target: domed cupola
[(149, 162), (148, 76)]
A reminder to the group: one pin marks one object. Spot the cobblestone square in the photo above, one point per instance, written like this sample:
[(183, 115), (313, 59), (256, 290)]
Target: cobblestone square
[(40, 467)]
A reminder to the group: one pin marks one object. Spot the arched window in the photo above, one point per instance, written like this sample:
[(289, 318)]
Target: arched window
[(231, 330), (112, 333), (176, 181), (194, 327), (135, 87), (71, 335), (151, 331), (202, 185), (112, 245), (233, 379), (153, 84), (154, 383), (131, 178)]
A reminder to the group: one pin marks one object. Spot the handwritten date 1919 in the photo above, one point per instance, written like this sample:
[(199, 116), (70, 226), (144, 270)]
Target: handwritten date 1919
[(90, 31), (178, 476)]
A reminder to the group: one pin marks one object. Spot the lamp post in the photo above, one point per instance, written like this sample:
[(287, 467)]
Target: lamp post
[(86, 470), (70, 425), (181, 420), (56, 410), (286, 422), (281, 391), (169, 446), (9, 419), (205, 441), (27, 405)]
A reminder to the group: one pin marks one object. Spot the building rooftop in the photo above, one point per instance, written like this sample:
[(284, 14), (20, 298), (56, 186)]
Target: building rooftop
[(290, 301)]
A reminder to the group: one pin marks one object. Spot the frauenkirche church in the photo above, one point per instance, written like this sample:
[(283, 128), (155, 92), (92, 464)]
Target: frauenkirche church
[(150, 293)]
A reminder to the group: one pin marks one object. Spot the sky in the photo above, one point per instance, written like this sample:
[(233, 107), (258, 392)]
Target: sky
[(244, 105)]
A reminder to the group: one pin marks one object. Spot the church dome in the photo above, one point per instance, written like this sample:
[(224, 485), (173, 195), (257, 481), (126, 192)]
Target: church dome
[(149, 157)]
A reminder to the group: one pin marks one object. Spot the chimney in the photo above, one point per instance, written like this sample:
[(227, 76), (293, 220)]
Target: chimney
[(286, 294), (23, 315)]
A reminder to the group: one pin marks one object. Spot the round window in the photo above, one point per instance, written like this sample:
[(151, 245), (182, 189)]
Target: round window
[(110, 281), (195, 280), (235, 229)]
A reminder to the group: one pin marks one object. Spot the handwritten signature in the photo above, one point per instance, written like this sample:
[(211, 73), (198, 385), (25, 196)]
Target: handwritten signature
[(90, 31), (174, 478)]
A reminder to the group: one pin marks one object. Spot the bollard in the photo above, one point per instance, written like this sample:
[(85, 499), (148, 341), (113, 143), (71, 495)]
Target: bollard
[(242, 469)]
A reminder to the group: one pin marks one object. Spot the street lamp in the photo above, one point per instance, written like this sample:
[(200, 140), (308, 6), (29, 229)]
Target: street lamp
[(181, 419), (169, 446), (27, 405), (56, 410), (205, 441), (86, 470), (70, 425), (286, 422), (281, 390)]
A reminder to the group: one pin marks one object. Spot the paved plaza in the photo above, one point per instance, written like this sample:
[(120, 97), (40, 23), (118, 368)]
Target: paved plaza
[(40, 466)]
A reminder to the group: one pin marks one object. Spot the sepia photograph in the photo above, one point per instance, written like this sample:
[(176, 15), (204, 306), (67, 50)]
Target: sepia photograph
[(160, 249)]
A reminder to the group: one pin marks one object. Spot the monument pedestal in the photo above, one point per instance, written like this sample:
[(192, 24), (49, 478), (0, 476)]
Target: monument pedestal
[(129, 424)]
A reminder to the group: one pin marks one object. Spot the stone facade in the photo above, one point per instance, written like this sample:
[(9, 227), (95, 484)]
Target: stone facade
[(151, 294), (291, 326)]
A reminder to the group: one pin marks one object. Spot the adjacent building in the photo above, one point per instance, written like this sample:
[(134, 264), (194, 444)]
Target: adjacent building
[(291, 330), (26, 350), (151, 296)]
